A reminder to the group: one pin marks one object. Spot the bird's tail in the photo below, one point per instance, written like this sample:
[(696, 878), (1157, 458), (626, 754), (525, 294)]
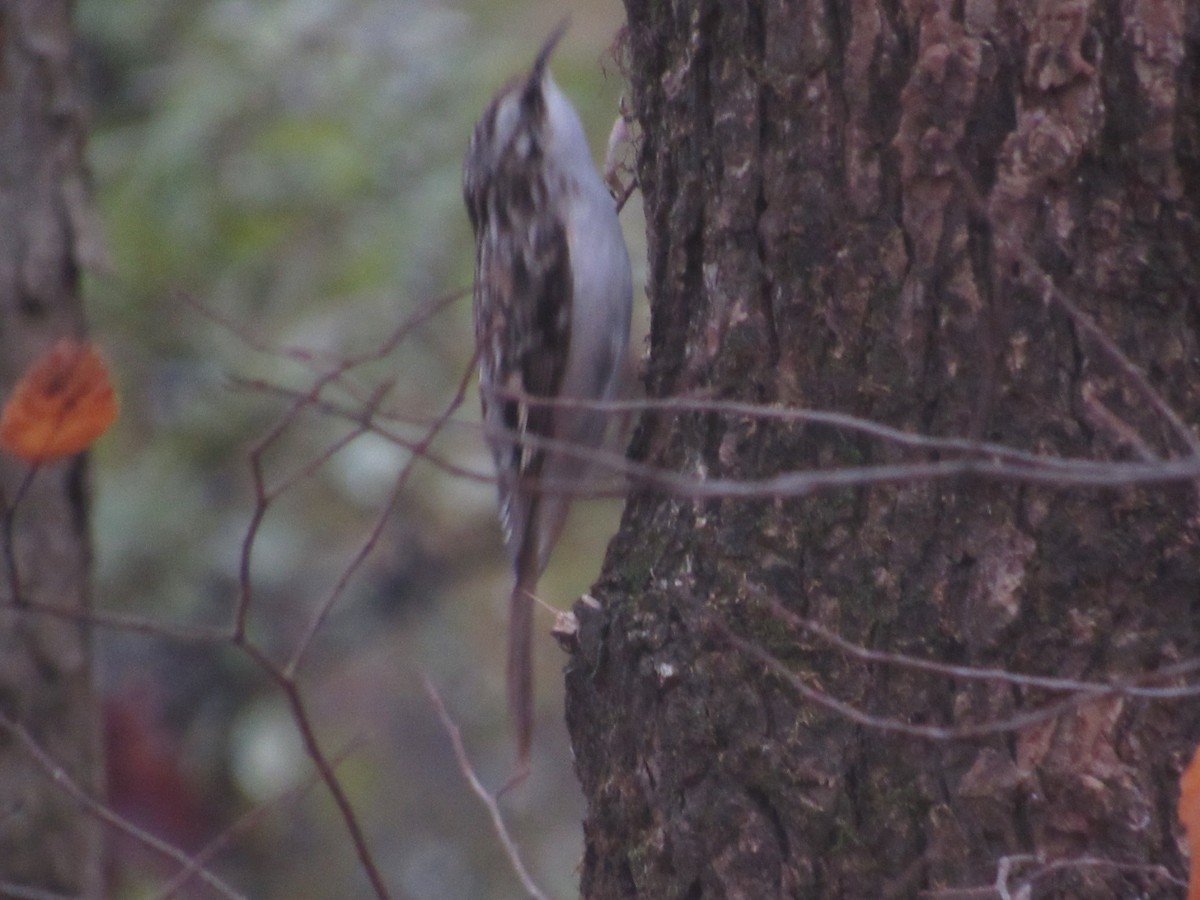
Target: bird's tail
[(520, 665)]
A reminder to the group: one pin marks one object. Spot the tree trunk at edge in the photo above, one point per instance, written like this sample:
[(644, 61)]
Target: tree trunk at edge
[(47, 843), (848, 207)]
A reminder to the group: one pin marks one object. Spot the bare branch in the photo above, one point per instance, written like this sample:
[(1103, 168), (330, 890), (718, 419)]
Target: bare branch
[(243, 824), (898, 726), (1128, 685), (120, 622), (94, 808), (1003, 889), (488, 799), (990, 462), (419, 450), (323, 763), (316, 359)]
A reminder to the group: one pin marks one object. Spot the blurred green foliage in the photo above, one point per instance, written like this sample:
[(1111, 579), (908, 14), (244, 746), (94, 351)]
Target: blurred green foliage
[(278, 184)]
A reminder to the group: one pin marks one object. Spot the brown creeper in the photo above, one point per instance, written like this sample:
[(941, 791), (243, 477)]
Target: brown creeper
[(552, 305)]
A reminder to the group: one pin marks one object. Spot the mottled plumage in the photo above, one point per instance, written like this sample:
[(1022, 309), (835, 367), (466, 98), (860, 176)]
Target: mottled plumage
[(551, 306)]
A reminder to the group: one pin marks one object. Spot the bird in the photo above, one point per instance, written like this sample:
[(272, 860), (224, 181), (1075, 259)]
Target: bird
[(551, 306)]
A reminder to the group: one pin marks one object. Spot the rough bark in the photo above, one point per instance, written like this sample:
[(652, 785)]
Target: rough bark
[(46, 843), (849, 207)]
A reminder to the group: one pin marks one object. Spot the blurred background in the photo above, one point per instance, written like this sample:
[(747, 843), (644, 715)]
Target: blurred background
[(277, 188)]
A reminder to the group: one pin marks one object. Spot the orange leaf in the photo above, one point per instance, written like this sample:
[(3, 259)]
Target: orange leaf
[(61, 404), (1189, 815)]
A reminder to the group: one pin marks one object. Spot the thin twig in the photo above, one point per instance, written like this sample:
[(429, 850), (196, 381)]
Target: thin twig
[(1125, 686), (989, 464), (243, 823), (899, 726), (121, 622), (1131, 370), (1032, 273), (323, 763), (385, 513), (488, 800), (303, 401), (94, 808), (1003, 889), (312, 358)]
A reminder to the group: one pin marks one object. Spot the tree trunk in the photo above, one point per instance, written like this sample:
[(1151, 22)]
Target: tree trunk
[(46, 842), (860, 207)]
